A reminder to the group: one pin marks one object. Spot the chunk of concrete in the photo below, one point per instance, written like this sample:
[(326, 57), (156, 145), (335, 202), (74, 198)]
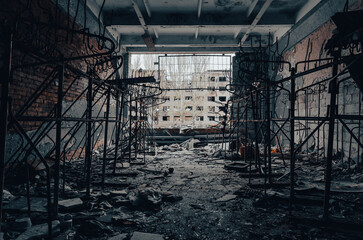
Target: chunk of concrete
[(69, 204), (7, 196), (122, 165), (146, 236), (121, 236), (39, 231), (118, 192), (22, 224), (226, 198)]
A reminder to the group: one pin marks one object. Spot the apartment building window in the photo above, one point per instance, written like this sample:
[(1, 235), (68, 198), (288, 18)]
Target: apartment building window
[(222, 98), (166, 108), (188, 98), (200, 118), (176, 98), (176, 108), (222, 88), (188, 108), (199, 108), (222, 109), (212, 99), (222, 79), (167, 98), (212, 79), (166, 118), (176, 118), (211, 88), (211, 109), (211, 118), (201, 98), (188, 118)]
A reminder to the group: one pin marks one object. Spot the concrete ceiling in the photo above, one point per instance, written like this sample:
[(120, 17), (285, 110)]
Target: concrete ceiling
[(196, 25)]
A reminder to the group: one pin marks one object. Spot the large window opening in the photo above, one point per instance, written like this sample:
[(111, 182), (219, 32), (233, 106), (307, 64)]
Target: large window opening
[(195, 84)]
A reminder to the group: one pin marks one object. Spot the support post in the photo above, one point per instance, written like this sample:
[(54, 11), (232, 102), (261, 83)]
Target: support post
[(292, 138), (130, 128), (117, 137), (58, 137), (332, 111), (107, 114), (4, 108), (268, 133), (88, 149)]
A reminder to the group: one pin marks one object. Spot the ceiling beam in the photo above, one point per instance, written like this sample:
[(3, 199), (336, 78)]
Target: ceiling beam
[(189, 41), (306, 8), (139, 15), (159, 18), (199, 7), (256, 20), (146, 36), (147, 7), (156, 33), (251, 7), (191, 50)]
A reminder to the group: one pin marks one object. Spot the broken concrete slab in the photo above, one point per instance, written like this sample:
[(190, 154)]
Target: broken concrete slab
[(226, 198), (146, 236), (7, 196), (39, 231), (70, 204), (190, 143), (105, 218), (22, 224), (122, 165), (19, 204), (118, 193)]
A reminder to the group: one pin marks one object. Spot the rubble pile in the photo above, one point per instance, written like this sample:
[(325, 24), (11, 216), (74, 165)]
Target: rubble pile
[(184, 192)]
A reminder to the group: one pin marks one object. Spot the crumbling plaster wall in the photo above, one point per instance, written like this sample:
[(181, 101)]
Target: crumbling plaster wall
[(314, 101)]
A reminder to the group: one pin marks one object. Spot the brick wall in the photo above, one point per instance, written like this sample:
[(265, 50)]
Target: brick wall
[(315, 100), (35, 42)]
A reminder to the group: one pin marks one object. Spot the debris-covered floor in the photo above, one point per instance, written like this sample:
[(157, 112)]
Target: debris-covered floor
[(188, 194)]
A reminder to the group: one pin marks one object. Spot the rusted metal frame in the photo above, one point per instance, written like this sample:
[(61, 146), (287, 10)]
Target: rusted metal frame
[(44, 130), (351, 132), (69, 59), (20, 130), (341, 60), (280, 129)]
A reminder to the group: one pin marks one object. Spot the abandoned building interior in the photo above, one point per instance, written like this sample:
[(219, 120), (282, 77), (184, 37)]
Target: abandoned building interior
[(181, 119)]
